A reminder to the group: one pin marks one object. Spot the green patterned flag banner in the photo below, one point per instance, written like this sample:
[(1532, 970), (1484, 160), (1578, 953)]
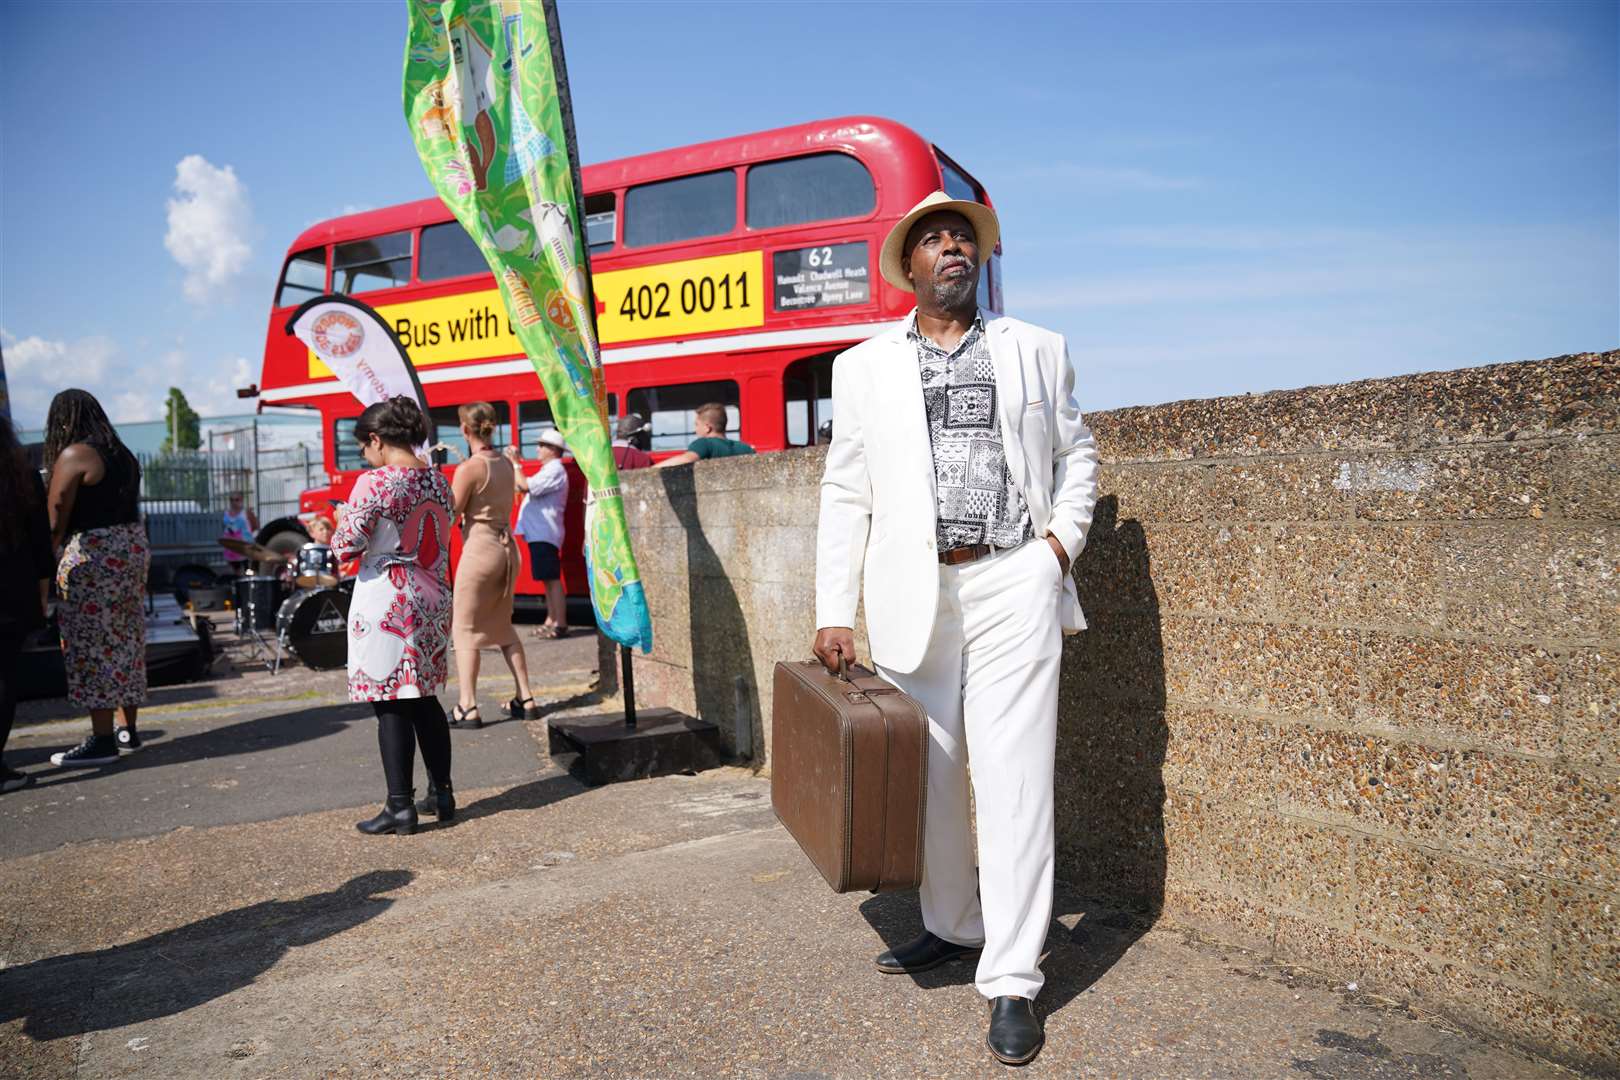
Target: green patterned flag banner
[(486, 96)]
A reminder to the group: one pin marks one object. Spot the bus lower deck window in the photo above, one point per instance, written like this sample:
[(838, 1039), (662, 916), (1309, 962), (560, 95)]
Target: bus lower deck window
[(671, 411), (535, 416)]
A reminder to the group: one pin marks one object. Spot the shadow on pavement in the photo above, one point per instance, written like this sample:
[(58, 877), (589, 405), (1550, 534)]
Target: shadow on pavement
[(577, 701), (530, 796), (179, 969), (263, 733), (1072, 961), (42, 710)]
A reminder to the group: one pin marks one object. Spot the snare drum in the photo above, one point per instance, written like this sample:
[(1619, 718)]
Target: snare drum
[(317, 567)]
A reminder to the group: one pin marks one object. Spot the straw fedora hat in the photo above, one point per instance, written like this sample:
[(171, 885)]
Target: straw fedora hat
[(986, 231)]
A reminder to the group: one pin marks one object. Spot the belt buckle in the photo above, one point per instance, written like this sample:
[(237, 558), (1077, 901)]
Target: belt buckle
[(973, 553)]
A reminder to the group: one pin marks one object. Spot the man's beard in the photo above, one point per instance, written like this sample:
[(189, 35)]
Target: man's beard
[(954, 294)]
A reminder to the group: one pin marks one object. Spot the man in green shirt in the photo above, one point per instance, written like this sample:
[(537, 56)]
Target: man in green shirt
[(711, 441)]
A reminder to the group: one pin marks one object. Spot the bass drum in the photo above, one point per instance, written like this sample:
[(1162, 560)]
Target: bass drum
[(314, 625)]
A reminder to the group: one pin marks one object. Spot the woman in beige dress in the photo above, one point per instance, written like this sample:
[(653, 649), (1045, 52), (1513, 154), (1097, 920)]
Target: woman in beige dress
[(487, 573)]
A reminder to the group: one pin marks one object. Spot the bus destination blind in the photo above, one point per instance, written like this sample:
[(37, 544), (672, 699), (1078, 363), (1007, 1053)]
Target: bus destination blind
[(831, 275)]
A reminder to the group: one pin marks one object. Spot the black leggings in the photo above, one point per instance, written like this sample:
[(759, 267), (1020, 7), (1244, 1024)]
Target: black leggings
[(403, 723)]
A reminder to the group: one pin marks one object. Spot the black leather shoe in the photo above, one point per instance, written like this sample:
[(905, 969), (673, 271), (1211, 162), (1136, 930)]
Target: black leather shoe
[(926, 952), (398, 816), (1015, 1031), (440, 801)]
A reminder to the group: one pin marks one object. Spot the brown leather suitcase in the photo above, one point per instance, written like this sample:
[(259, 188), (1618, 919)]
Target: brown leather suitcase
[(849, 774)]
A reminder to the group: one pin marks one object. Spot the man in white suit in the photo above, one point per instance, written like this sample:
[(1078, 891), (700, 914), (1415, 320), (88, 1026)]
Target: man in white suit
[(958, 490)]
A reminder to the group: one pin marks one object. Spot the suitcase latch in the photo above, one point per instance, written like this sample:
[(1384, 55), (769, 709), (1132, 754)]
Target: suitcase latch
[(855, 695)]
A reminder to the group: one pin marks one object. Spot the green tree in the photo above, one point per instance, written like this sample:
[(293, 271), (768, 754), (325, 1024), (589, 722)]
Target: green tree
[(181, 429)]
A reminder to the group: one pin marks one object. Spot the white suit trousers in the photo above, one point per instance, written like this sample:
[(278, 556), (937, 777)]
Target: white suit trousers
[(989, 682)]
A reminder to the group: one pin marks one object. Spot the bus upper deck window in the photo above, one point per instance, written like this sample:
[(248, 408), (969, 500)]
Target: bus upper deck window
[(447, 252), (304, 278), (958, 184), (687, 207), (378, 262), (601, 218), (820, 187)]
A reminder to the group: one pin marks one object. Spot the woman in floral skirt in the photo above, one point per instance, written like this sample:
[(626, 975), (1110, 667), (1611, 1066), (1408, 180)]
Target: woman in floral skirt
[(94, 504), (397, 523)]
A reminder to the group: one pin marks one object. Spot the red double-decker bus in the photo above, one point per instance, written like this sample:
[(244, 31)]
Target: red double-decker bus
[(730, 271)]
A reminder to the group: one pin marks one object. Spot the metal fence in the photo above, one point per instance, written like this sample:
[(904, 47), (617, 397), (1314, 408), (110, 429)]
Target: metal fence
[(189, 481), (277, 475), (282, 475), (185, 493)]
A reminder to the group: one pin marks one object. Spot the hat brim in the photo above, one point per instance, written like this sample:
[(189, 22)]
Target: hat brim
[(986, 234)]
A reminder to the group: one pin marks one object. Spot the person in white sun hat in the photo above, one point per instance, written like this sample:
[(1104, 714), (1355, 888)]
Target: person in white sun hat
[(958, 489), (540, 523)]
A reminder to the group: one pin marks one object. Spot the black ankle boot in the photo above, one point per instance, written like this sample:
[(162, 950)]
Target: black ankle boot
[(398, 816), (440, 801)]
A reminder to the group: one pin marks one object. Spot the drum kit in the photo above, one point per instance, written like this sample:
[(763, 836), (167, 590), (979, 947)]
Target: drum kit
[(300, 597)]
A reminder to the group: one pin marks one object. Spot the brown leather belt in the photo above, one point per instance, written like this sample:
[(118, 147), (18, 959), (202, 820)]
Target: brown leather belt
[(957, 556)]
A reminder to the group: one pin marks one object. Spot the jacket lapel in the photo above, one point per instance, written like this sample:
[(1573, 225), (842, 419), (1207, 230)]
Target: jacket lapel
[(1008, 361), (901, 380)]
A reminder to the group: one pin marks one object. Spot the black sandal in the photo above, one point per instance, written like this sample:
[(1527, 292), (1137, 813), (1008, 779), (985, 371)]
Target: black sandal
[(523, 709), (469, 718)]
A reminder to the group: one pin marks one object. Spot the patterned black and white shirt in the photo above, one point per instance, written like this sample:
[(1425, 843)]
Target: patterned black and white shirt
[(978, 503)]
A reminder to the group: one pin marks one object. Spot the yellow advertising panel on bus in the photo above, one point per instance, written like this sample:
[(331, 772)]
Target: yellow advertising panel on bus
[(445, 329), (693, 296)]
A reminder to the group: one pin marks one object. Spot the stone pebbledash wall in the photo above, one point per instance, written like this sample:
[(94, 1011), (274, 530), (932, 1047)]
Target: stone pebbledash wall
[(1351, 692)]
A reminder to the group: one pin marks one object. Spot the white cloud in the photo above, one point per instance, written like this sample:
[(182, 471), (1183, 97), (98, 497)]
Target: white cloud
[(215, 394), (36, 368), (209, 225)]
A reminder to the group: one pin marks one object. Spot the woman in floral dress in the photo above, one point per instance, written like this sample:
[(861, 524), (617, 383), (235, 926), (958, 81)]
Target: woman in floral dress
[(94, 505), (397, 524)]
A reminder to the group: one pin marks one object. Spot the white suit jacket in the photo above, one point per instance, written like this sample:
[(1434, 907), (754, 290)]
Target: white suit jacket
[(878, 503)]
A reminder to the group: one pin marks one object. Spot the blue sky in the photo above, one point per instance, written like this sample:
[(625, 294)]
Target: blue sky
[(1206, 198)]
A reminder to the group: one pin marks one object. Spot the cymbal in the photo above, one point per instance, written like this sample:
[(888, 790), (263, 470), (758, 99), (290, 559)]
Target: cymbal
[(254, 551)]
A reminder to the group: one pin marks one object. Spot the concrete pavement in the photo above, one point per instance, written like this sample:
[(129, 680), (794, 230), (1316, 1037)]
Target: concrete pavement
[(666, 928)]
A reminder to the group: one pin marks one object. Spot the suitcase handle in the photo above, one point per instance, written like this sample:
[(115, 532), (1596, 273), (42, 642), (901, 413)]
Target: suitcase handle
[(842, 674)]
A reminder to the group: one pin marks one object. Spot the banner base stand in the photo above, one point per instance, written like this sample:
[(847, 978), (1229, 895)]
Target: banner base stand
[(661, 742), (634, 745)]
